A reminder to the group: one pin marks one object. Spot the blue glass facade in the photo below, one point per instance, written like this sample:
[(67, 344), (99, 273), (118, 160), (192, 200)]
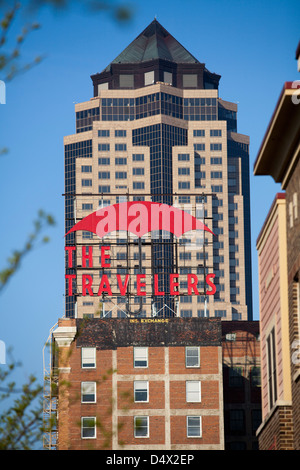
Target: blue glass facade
[(130, 109), (160, 138), (81, 149), (237, 150)]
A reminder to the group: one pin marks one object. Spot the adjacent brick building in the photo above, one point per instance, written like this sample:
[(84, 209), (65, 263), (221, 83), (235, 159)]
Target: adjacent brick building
[(140, 384), (279, 157), (241, 384), (276, 429)]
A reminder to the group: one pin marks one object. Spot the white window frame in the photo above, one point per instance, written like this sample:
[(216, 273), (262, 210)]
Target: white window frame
[(188, 426), (137, 384), (92, 356), (135, 427), (193, 391), (135, 358), (186, 356), (92, 386), (82, 427)]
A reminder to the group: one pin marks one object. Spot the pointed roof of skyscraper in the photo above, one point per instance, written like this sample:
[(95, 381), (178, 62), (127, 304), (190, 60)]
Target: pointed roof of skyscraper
[(155, 42)]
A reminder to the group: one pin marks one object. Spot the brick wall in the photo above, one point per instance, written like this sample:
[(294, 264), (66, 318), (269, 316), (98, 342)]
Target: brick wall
[(293, 254), (167, 407), (70, 401), (242, 397), (277, 432)]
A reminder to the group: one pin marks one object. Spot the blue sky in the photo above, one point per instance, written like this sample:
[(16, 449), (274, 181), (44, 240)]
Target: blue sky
[(251, 44)]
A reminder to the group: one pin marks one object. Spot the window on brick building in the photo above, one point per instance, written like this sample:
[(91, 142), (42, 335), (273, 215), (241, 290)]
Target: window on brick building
[(192, 356), (255, 420), (193, 391), (88, 392), (140, 357), (141, 391), (88, 358), (272, 372), (236, 377), (88, 427), (141, 426), (255, 377), (237, 421), (237, 445), (194, 426)]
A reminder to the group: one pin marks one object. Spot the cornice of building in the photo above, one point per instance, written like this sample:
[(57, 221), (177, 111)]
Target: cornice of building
[(279, 145)]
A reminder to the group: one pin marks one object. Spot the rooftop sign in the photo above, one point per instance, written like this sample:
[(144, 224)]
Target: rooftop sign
[(138, 218)]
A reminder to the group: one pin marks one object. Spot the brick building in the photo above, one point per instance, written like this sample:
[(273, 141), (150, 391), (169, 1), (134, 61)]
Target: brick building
[(277, 427), (241, 384), (139, 384), (279, 157)]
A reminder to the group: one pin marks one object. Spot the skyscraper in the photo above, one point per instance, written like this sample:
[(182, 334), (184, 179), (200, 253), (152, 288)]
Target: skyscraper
[(157, 130)]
